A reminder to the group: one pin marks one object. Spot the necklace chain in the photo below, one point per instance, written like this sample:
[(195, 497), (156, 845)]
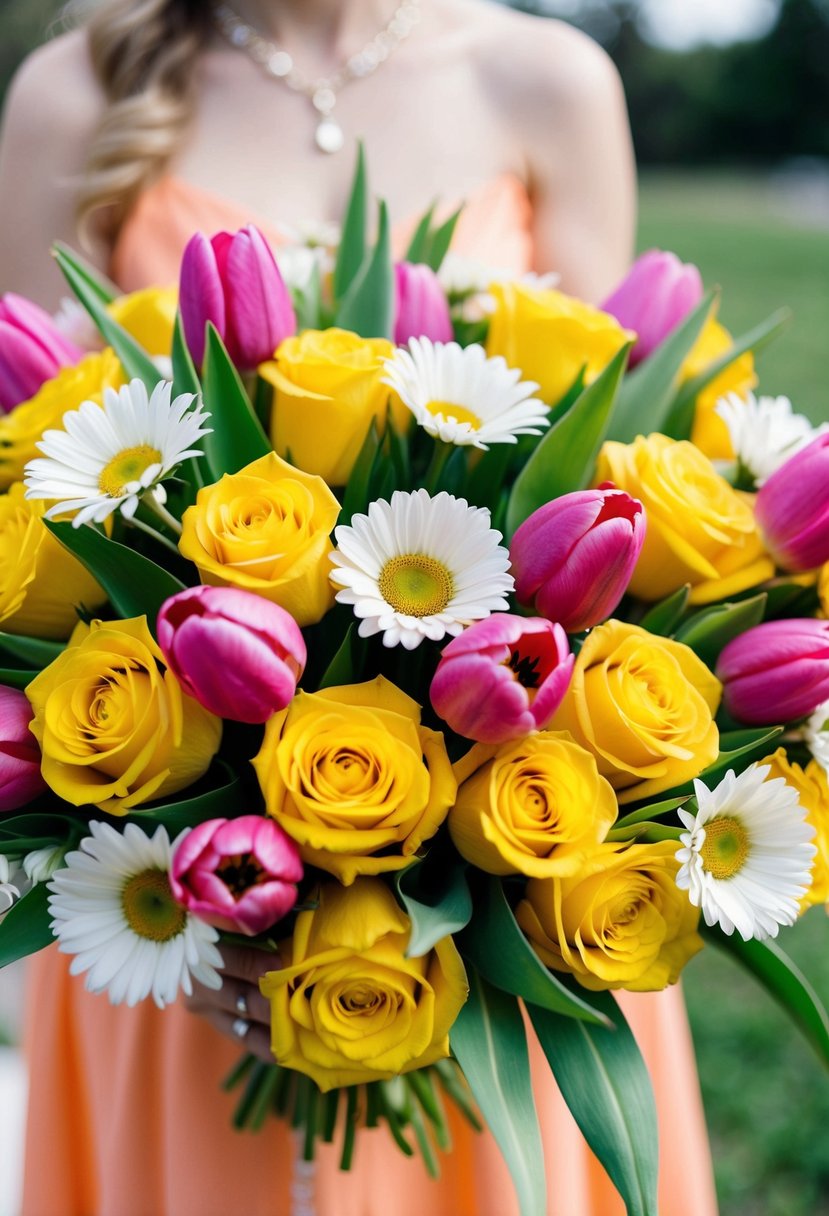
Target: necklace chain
[(322, 92)]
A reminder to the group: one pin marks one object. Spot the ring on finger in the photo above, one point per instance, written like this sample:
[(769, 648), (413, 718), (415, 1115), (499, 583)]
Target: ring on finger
[(242, 1006), (240, 1027)]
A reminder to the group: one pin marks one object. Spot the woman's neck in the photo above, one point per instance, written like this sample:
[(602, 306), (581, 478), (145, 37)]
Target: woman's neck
[(323, 28)]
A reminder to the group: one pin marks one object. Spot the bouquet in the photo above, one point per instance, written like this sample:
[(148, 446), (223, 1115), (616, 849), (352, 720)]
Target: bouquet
[(460, 645)]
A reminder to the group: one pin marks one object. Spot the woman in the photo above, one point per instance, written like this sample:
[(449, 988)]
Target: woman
[(155, 121)]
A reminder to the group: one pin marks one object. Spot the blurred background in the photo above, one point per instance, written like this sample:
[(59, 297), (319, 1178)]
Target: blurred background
[(729, 103)]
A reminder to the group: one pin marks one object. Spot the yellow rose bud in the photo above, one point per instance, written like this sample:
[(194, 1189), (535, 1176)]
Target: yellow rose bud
[(621, 922), (551, 337), (699, 530), (535, 807), (328, 387), (23, 428), (354, 779), (113, 724), (349, 1006), (644, 706), (710, 434), (813, 792), (149, 316), (41, 583), (266, 529)]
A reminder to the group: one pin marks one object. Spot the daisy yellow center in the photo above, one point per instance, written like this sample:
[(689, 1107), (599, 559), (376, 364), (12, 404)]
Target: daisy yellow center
[(416, 585), (126, 467), (150, 909), (726, 847), (453, 413)]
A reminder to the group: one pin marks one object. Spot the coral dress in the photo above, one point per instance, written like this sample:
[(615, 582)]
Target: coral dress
[(126, 1117)]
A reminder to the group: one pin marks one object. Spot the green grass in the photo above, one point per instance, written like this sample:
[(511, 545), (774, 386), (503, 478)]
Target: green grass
[(766, 1097)]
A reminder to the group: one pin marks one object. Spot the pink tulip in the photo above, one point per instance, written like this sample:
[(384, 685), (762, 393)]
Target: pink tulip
[(792, 509), (502, 677), (421, 309), (238, 654), (20, 777), (234, 281), (656, 296), (32, 350), (776, 672), (237, 874), (574, 557)]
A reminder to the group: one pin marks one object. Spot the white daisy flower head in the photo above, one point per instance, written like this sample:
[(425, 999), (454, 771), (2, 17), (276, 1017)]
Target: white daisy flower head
[(108, 456), (460, 396), (816, 735), (764, 432), (9, 889), (113, 909), (746, 858), (420, 567)]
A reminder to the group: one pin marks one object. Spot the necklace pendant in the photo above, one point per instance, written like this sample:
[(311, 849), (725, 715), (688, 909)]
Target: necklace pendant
[(329, 135)]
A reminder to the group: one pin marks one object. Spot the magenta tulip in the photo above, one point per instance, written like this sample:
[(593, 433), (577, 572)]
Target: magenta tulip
[(502, 677), (234, 282), (776, 672), (237, 874), (656, 296), (20, 776), (32, 350), (238, 654), (792, 509), (421, 308), (574, 557)]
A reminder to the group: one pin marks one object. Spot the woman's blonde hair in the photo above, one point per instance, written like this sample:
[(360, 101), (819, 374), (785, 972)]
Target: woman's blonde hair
[(143, 53)]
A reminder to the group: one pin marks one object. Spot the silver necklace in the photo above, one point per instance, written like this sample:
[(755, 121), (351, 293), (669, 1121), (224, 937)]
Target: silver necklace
[(277, 63)]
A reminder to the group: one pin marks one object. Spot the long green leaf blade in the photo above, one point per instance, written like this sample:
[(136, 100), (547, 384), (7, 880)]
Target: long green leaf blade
[(352, 250), (439, 904), (368, 306), (31, 650), (25, 928), (490, 1044), (709, 631), (237, 438), (419, 243)]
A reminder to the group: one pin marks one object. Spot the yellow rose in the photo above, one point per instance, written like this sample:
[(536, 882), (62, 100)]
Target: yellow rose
[(699, 530), (149, 316), (534, 807), (621, 922), (41, 583), (266, 529), (354, 779), (823, 590), (710, 434), (813, 791), (349, 1006), (551, 337), (113, 724), (327, 388), (644, 706), (22, 429)]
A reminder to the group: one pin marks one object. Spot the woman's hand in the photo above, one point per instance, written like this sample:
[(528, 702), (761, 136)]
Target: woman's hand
[(239, 1002)]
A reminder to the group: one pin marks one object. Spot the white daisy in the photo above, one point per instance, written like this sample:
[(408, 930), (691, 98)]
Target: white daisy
[(113, 909), (746, 859), (460, 396), (764, 432), (107, 457), (9, 890), (816, 735), (420, 567)]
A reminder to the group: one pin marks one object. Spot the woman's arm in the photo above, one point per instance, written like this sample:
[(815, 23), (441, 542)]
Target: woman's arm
[(52, 109)]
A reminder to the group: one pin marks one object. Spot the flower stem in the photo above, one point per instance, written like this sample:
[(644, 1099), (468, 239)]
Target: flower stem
[(161, 513), (157, 536), (437, 464)]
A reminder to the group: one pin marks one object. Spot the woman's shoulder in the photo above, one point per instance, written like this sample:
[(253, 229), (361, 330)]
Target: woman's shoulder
[(54, 97)]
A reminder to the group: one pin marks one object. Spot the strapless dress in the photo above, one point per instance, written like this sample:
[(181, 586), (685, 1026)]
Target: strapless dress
[(126, 1117)]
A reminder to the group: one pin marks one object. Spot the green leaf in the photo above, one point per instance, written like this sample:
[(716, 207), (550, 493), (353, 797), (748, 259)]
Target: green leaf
[(664, 617), (419, 244), (133, 358), (352, 250), (25, 928), (652, 811), (224, 801), (746, 745), (604, 1081), (135, 585), (497, 947), (237, 438), (15, 677), (565, 458), (356, 497), (185, 376), (709, 631), (681, 416), (367, 308), (308, 301), (31, 650), (648, 393), (437, 900), (490, 1044), (96, 283), (775, 971), (440, 240), (341, 668)]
